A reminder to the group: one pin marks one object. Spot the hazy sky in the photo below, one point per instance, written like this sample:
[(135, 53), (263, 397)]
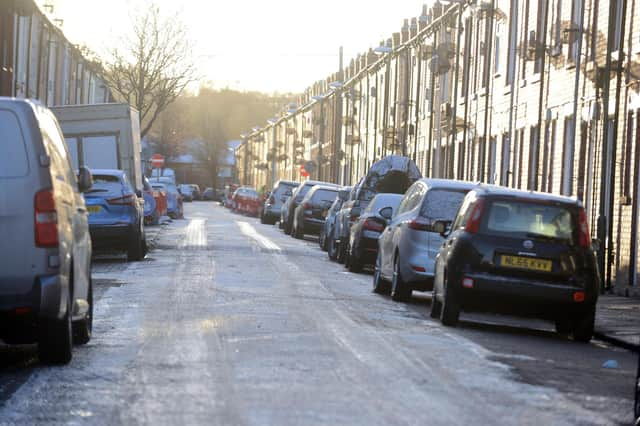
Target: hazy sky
[(267, 45)]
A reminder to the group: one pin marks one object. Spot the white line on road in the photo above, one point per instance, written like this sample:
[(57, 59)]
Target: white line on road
[(251, 232)]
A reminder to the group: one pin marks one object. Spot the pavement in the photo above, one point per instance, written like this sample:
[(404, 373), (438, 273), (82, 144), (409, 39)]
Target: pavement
[(618, 321)]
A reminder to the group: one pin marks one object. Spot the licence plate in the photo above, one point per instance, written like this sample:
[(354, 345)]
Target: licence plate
[(528, 263), (94, 209)]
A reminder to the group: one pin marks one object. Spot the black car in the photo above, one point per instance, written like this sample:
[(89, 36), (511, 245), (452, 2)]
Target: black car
[(330, 220), (273, 204), (309, 216), (292, 203), (363, 239), (520, 253)]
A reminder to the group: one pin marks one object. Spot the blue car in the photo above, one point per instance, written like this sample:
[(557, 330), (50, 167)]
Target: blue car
[(116, 217), (175, 208)]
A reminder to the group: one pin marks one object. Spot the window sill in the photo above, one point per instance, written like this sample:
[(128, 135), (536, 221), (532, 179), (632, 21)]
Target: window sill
[(507, 89), (570, 65), (523, 82), (535, 78)]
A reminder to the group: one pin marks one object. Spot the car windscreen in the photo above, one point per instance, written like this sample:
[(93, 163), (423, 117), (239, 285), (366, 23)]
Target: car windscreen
[(529, 220), (380, 202), (284, 189), (105, 183), (442, 204), (324, 196), (13, 153)]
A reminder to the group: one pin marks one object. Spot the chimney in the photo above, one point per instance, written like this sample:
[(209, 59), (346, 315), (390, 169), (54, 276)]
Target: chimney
[(397, 39), (424, 20), (405, 31), (413, 29), (437, 9), (371, 56)]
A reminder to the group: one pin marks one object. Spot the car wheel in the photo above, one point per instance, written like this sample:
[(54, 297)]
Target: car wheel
[(450, 310), (135, 251), (55, 344), (347, 256), (436, 305), (297, 233), (321, 239), (355, 265), (263, 219), (82, 329), (563, 326), (399, 289), (582, 326), (287, 228), (332, 250), (380, 286)]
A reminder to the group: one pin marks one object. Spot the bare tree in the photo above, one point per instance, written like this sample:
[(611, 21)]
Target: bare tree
[(153, 66)]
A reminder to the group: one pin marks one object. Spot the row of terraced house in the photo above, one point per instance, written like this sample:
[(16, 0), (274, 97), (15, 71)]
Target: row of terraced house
[(532, 94), (37, 61)]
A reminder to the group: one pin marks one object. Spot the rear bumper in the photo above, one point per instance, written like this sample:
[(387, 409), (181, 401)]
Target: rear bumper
[(312, 226), (111, 236), (522, 296), (20, 313), (367, 250), (271, 213)]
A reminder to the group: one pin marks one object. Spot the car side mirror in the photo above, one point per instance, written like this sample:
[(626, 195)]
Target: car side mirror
[(386, 213), (85, 180), (442, 227), (139, 193)]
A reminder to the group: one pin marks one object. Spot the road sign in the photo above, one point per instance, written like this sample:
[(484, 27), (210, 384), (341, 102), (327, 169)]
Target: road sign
[(157, 160)]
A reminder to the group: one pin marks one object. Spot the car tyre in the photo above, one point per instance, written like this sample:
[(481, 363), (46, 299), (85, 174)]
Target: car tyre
[(321, 239), (563, 326), (436, 305), (82, 329), (380, 286), (55, 344), (342, 252), (297, 233), (450, 310), (135, 251), (582, 326), (355, 265), (332, 250), (399, 290)]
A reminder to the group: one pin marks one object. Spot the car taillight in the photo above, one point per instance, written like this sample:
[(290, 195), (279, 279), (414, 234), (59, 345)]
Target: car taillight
[(473, 224), (373, 225), (130, 199), (584, 237), (307, 207), (46, 219), (419, 224)]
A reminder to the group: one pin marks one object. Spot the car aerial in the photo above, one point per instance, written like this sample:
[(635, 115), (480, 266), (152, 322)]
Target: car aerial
[(392, 174), (116, 218), (279, 194), (247, 200), (408, 246), (308, 217), (46, 294), (329, 222), (175, 209), (155, 203), (195, 191), (186, 191), (287, 211), (363, 241), (522, 253)]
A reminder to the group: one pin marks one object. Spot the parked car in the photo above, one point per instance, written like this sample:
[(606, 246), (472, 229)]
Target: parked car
[(308, 217), (46, 294), (116, 218), (329, 222), (363, 242), (227, 199), (287, 211), (186, 191), (408, 246), (175, 208), (392, 174), (155, 203), (195, 192), (247, 200), (272, 206), (209, 194), (522, 253)]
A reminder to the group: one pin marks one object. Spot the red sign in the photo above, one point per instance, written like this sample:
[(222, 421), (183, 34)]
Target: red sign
[(303, 171), (157, 160)]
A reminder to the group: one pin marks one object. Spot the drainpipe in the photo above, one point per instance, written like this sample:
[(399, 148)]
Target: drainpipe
[(454, 108), (487, 65), (430, 165), (542, 45), (417, 104), (576, 91)]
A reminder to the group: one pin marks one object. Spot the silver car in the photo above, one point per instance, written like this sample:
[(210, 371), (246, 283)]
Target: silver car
[(408, 246), (46, 295)]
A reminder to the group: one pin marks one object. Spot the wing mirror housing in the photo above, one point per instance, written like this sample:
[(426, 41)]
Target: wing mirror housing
[(442, 227), (85, 179), (386, 213)]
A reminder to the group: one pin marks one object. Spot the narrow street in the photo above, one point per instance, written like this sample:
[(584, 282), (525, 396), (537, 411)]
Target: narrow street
[(228, 321)]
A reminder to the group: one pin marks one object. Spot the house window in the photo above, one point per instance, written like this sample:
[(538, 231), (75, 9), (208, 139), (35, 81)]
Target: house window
[(534, 137), (506, 149), (567, 157), (576, 12), (618, 26), (540, 41), (558, 28), (498, 45), (467, 56), (525, 35)]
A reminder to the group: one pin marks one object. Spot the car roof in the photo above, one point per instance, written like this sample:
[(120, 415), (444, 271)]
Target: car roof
[(287, 182), (494, 190), (108, 172), (448, 183), (386, 196), (327, 187)]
